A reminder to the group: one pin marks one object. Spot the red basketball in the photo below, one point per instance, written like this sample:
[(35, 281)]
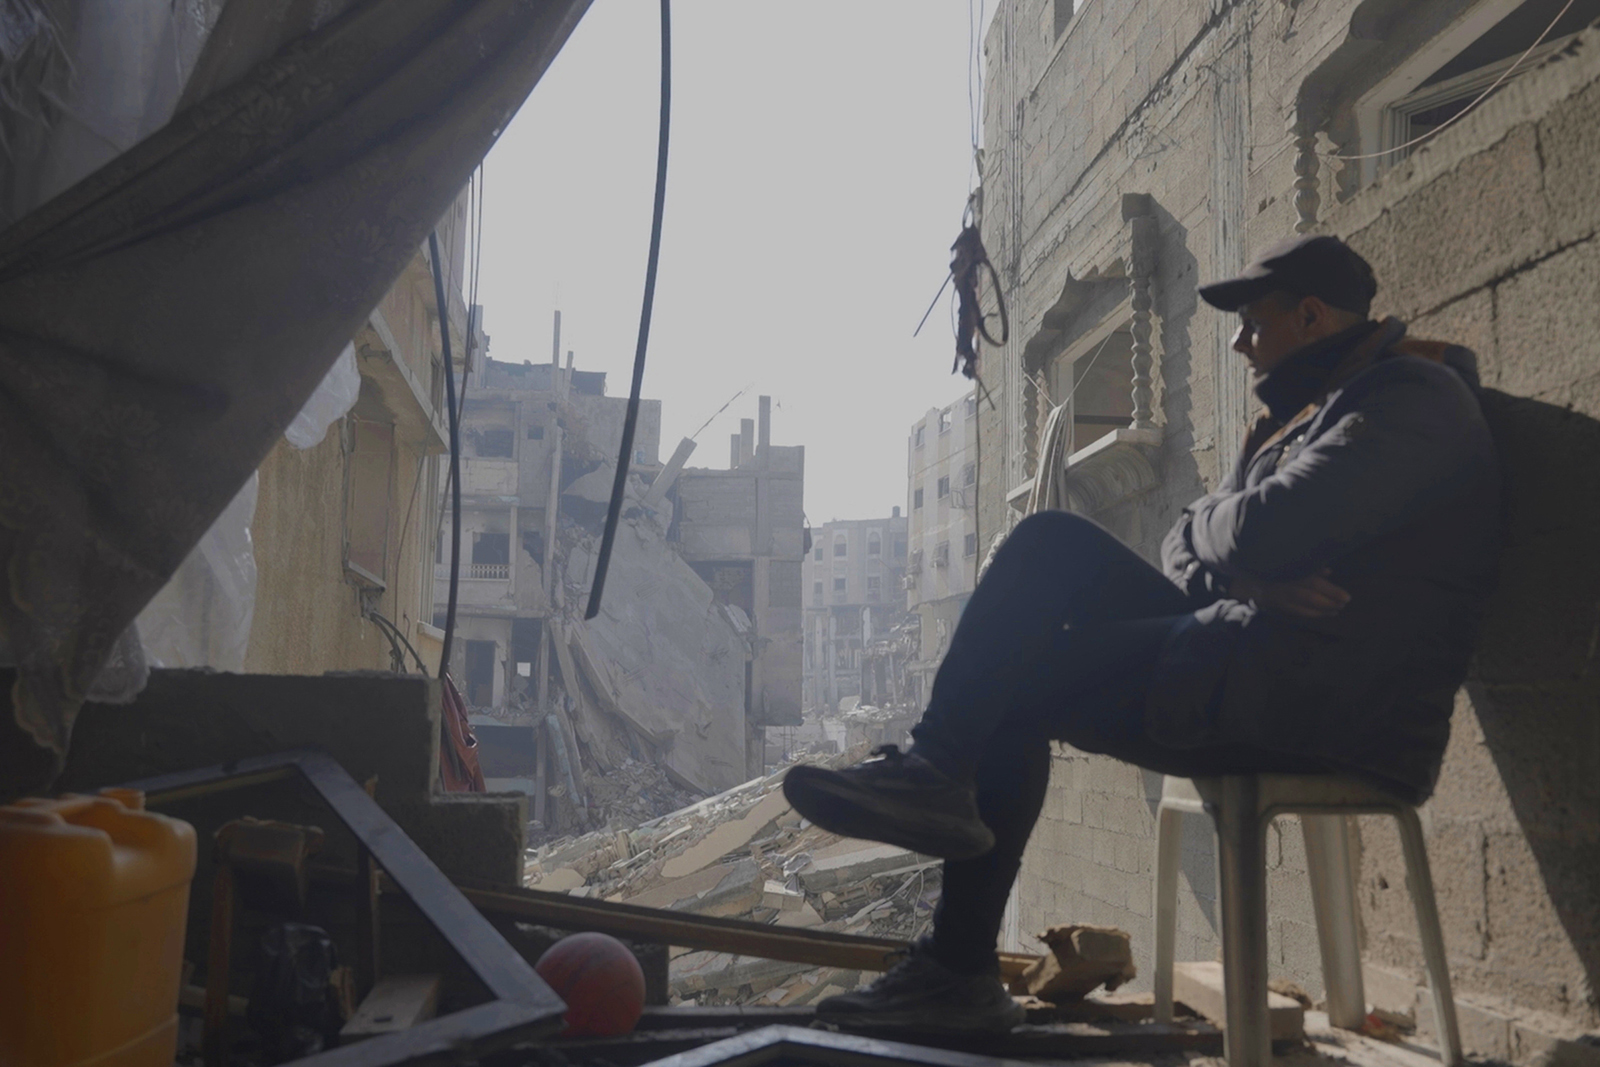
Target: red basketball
[(600, 980)]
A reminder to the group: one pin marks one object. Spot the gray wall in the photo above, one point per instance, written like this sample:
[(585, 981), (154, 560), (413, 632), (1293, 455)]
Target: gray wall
[(1485, 237)]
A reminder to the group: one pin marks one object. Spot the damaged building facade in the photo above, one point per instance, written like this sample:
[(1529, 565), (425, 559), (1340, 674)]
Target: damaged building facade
[(858, 641), (742, 530), (1134, 150), (690, 655), (942, 495)]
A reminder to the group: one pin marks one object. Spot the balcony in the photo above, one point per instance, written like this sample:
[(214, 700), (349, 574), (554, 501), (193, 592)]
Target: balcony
[(492, 572), (488, 476)]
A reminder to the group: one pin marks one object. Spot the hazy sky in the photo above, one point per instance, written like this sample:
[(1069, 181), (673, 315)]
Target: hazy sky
[(820, 161)]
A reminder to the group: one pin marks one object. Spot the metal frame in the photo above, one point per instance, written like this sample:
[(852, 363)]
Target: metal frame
[(524, 1006), (790, 1044)]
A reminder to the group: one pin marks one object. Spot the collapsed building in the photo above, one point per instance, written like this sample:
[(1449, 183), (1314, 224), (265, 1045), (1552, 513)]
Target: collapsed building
[(693, 651), (942, 493)]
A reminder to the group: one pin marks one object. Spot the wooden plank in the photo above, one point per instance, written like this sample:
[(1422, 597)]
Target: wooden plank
[(397, 1002), (793, 944)]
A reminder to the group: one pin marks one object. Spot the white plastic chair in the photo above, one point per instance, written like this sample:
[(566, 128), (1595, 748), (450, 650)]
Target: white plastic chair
[(1240, 807)]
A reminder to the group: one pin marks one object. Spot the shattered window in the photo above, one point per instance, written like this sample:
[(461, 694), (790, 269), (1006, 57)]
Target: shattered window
[(944, 421), (840, 546), (972, 406), (916, 499), (970, 545), (944, 487), (874, 587), (816, 592), (969, 474), (874, 544), (919, 435), (495, 443), (941, 554)]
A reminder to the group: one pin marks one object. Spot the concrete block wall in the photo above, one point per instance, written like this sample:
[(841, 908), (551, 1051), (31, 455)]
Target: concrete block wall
[(1514, 827), (1486, 237)]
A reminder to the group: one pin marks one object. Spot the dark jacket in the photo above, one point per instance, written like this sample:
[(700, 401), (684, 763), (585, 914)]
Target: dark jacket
[(1378, 466)]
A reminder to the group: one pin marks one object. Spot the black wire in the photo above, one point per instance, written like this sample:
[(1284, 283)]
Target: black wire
[(455, 453), (393, 632), (614, 512)]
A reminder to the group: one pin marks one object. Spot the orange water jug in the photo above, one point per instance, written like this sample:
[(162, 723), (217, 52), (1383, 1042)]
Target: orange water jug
[(94, 893)]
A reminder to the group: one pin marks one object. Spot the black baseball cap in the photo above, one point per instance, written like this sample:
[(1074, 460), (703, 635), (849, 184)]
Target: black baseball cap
[(1320, 266)]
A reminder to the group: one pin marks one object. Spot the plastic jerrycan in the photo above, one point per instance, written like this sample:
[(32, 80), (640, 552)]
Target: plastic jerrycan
[(94, 893)]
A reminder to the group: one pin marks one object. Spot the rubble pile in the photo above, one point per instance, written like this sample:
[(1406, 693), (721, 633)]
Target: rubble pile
[(634, 792), (746, 854)]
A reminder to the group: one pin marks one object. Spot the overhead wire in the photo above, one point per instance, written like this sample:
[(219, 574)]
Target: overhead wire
[(630, 423), (455, 455)]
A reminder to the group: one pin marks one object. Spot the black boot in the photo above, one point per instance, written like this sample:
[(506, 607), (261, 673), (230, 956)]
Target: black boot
[(923, 994), (898, 798)]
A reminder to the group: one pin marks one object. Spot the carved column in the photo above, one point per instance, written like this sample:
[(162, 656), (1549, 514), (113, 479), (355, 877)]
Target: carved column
[(1307, 194), (1141, 265), (1031, 425)]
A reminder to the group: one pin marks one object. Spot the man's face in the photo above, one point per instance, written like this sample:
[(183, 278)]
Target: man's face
[(1270, 329)]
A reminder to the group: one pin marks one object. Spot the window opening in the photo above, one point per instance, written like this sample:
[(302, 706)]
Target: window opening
[(1096, 383)]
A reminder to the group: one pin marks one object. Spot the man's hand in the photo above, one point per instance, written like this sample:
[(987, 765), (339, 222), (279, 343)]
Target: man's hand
[(1306, 598)]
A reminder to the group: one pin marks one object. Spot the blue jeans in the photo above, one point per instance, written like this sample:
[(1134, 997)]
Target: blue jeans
[(1058, 642)]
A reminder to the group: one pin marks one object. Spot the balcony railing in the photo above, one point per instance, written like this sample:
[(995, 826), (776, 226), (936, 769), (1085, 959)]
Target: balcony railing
[(491, 571)]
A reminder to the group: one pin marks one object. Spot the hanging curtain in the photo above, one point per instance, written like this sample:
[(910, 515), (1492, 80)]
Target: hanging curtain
[(164, 319)]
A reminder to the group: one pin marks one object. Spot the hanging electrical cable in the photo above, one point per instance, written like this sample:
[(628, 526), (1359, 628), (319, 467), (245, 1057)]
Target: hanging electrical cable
[(625, 453), (455, 453)]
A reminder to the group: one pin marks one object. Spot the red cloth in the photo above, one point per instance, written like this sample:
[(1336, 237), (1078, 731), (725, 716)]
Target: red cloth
[(458, 748)]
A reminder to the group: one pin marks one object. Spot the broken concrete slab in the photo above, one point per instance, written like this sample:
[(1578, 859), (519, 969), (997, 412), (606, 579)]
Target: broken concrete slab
[(737, 892), (862, 862), (803, 918), (779, 897), (727, 837), (1081, 958), (1199, 984), (696, 972), (560, 880)]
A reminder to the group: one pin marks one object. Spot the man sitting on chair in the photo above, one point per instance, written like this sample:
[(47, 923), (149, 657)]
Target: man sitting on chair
[(1316, 614)]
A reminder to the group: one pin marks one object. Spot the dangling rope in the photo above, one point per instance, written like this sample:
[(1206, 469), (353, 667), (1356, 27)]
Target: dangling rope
[(614, 512)]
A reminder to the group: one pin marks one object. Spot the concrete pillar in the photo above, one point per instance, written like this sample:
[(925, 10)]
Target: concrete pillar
[(669, 473), (764, 430), (747, 441), (833, 661), (733, 451), (555, 345)]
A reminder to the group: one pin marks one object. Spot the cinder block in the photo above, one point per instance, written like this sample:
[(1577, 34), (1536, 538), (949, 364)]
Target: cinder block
[(1542, 1049), (1569, 142), (1389, 989), (1467, 320), (1484, 1033), (1199, 984), (1470, 224), (1538, 313)]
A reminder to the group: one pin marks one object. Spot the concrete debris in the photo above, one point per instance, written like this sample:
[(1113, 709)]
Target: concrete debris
[(1198, 983), (1081, 958), (745, 854)]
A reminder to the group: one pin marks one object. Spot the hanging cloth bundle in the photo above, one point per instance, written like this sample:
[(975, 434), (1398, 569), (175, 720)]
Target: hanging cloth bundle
[(967, 258)]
